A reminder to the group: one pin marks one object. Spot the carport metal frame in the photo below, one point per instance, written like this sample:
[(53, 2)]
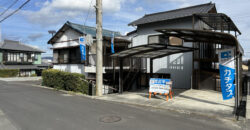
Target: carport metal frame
[(188, 35)]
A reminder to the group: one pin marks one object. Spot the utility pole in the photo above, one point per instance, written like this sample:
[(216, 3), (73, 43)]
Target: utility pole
[(99, 75), (0, 34)]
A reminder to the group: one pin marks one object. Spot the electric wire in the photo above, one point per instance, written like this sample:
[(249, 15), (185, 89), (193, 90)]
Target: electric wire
[(9, 7), (15, 11), (87, 16)]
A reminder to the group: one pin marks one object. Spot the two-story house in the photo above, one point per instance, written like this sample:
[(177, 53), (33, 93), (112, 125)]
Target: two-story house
[(196, 69), (66, 51), (16, 55)]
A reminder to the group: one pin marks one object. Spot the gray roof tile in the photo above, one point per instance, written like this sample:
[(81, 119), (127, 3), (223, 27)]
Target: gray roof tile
[(91, 30), (15, 45), (173, 14), (82, 30)]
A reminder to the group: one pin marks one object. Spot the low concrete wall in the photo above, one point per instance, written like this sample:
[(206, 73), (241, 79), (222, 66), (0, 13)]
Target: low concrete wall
[(248, 107)]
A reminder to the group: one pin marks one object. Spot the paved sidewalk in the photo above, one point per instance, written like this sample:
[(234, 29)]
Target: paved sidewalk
[(205, 102), (21, 79)]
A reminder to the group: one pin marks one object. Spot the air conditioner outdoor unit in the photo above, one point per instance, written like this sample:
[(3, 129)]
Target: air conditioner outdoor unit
[(175, 41), (157, 39), (161, 39)]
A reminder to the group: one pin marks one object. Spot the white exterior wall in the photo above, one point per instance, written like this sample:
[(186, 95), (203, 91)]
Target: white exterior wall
[(179, 66), (73, 68), (68, 35)]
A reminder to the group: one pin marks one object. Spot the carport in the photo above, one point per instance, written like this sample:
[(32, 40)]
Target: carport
[(162, 48)]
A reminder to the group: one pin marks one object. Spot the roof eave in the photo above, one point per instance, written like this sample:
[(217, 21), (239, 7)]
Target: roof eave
[(132, 24), (60, 30)]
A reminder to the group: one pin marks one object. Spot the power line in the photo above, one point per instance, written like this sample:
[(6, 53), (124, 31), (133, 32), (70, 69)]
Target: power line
[(15, 10), (87, 16), (5, 3), (9, 7)]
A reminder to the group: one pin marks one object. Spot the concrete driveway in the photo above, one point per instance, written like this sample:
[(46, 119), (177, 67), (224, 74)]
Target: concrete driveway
[(205, 102), (27, 107)]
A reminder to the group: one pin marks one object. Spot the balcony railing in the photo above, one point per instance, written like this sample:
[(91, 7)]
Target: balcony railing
[(132, 63), (107, 61)]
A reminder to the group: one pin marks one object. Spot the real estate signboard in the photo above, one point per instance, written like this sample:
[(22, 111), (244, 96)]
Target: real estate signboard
[(158, 85)]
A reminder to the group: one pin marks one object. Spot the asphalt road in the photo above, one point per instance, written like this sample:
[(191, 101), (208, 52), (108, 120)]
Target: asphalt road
[(27, 107)]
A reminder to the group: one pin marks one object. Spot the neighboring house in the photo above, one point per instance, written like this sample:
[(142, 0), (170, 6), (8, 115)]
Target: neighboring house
[(198, 67), (16, 55), (66, 50)]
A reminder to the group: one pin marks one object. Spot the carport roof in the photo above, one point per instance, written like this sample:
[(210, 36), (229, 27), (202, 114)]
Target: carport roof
[(218, 21), (151, 51), (188, 35), (203, 36)]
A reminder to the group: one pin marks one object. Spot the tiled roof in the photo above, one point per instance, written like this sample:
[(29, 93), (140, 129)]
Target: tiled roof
[(91, 30), (16, 45), (82, 30), (173, 14)]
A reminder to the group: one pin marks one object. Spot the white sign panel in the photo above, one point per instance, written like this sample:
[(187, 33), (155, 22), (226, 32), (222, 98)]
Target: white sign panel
[(159, 85)]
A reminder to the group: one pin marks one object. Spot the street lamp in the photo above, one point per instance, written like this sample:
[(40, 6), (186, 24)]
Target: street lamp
[(52, 32)]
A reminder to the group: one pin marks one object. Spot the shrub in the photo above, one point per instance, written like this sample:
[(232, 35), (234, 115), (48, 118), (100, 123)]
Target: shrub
[(9, 72), (64, 80), (33, 75)]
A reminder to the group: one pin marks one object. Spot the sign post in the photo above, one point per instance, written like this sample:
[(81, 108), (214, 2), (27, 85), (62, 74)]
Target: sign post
[(227, 73)]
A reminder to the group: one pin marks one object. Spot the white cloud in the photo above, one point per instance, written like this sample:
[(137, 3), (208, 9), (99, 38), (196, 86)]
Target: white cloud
[(57, 11), (138, 9), (34, 36)]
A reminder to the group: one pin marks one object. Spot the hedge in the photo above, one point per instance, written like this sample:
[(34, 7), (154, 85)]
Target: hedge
[(64, 80), (9, 72)]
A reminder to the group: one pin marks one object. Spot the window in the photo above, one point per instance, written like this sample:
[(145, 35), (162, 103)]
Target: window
[(69, 55), (9, 59), (14, 58), (18, 57), (29, 55), (36, 56), (25, 58), (21, 55)]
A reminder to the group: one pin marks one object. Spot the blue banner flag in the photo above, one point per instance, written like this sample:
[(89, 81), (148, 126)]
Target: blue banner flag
[(227, 73), (227, 82), (83, 52), (112, 44)]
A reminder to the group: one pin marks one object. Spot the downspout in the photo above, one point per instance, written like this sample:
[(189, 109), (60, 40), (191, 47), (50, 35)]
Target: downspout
[(237, 79)]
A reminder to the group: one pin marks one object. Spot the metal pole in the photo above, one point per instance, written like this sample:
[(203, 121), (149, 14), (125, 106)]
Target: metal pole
[(239, 78), (237, 81), (0, 34), (99, 75), (113, 62), (121, 76), (151, 67)]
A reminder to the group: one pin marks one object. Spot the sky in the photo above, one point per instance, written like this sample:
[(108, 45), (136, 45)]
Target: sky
[(30, 25)]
